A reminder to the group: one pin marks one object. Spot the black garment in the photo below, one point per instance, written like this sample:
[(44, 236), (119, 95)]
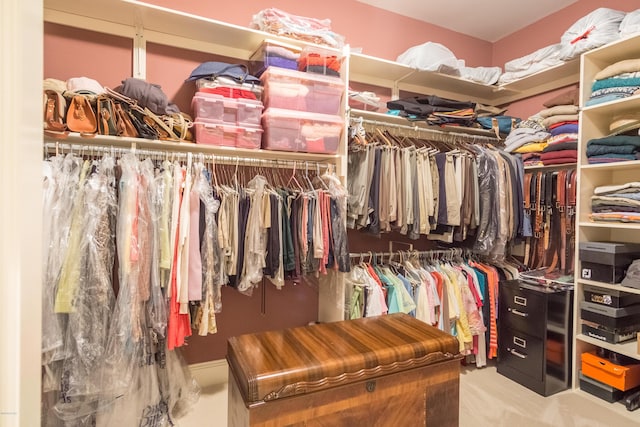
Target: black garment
[(374, 195), (287, 250), (427, 104), (441, 160), (340, 249), (272, 259), (243, 214)]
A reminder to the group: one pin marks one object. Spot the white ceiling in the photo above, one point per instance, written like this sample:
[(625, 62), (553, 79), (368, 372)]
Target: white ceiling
[(488, 20)]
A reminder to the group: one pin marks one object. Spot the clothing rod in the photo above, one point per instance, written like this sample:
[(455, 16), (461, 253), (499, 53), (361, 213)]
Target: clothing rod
[(173, 155), (439, 133), (444, 251)]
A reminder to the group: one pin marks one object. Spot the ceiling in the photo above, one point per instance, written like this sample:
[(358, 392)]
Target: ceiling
[(488, 20)]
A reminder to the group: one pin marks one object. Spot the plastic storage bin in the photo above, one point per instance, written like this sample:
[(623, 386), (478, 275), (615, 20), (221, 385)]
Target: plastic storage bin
[(230, 88), (272, 54), (287, 130), (236, 112), (212, 133), (296, 90), (318, 60)]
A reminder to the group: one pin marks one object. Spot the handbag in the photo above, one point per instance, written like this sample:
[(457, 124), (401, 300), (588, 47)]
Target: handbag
[(105, 110), (55, 106), (500, 124), (124, 125), (80, 116)]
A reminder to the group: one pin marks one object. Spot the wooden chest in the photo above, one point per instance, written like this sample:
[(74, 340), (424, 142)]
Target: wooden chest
[(385, 371)]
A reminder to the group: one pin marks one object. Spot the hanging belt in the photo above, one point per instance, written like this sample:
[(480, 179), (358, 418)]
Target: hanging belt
[(539, 229), (570, 219), (551, 243), (527, 212), (561, 205)]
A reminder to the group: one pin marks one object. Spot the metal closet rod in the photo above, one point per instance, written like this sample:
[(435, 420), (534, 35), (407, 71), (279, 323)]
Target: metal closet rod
[(173, 155), (432, 253), (444, 136)]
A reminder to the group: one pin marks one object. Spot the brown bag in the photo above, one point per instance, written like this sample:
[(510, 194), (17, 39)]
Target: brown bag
[(106, 116), (124, 125), (54, 111), (80, 116)]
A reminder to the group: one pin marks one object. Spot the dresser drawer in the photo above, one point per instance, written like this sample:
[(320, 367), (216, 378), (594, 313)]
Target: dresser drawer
[(522, 309), (521, 352)]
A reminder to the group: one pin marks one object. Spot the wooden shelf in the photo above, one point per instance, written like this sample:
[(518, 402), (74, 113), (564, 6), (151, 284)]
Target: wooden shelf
[(401, 122), (629, 348), (613, 166), (611, 225), (611, 286), (551, 167)]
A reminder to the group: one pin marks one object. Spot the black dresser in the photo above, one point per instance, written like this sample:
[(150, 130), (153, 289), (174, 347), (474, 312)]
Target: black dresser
[(535, 336)]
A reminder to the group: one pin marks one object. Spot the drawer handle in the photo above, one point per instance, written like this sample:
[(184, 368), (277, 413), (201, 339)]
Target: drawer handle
[(518, 354), (518, 312), (520, 300), (520, 342)]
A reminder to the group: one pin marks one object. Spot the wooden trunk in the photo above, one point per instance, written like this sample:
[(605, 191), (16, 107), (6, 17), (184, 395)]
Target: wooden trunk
[(385, 371)]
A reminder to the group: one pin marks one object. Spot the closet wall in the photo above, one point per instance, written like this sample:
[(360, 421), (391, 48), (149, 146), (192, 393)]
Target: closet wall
[(545, 32)]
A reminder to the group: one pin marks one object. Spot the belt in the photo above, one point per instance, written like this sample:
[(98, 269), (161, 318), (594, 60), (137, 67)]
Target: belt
[(527, 211), (561, 205), (570, 218), (539, 228), (551, 222)]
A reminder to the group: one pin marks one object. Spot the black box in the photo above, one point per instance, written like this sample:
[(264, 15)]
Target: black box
[(630, 310), (605, 334), (609, 321), (609, 297), (601, 390), (606, 261)]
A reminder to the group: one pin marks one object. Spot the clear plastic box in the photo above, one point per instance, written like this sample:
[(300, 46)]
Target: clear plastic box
[(230, 111), (230, 89), (273, 54), (314, 59), (287, 130), (297, 90), (212, 133)]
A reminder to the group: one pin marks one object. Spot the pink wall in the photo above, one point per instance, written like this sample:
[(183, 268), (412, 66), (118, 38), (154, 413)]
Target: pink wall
[(378, 32), (545, 32)]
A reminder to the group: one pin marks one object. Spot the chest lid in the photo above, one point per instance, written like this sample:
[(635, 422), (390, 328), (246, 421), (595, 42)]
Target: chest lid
[(275, 364)]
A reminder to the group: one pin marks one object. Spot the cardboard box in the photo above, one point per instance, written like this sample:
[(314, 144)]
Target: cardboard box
[(606, 261), (609, 297), (618, 376)]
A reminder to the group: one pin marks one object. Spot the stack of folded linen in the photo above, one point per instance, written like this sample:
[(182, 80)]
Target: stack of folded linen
[(617, 81), (561, 121), (621, 145), (549, 137), (616, 203)]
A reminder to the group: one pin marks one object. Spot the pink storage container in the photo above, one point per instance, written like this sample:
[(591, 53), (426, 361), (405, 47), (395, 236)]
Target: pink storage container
[(236, 112), (297, 90), (212, 133), (287, 130)]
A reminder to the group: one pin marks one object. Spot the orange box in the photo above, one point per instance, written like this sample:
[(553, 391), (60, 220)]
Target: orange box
[(618, 376)]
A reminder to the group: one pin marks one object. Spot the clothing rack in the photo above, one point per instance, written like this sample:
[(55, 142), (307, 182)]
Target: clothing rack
[(438, 134), (433, 254), (161, 154)]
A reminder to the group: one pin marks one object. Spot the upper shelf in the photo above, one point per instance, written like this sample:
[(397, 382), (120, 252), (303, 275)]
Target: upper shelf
[(130, 18)]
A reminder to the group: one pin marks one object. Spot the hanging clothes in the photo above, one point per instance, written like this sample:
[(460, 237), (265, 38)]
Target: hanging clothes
[(448, 194)]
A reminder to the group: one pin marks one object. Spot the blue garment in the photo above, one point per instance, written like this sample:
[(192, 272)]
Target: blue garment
[(409, 288)]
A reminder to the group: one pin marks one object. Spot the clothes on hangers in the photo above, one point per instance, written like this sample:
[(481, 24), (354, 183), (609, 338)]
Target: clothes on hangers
[(446, 194), (178, 235), (427, 288)]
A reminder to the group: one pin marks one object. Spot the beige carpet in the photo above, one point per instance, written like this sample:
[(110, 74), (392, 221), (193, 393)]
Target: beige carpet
[(486, 399)]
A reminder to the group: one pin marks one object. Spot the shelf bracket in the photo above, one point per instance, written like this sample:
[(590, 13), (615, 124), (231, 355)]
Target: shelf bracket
[(139, 50)]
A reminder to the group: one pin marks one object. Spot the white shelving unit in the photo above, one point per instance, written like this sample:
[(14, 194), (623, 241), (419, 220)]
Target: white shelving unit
[(594, 123)]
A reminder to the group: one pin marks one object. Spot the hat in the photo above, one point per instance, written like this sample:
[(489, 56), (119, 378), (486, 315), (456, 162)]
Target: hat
[(84, 85), (632, 278), (214, 69), (624, 123)]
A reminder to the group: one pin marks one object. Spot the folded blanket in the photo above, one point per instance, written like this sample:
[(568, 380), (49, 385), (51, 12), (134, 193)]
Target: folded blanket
[(616, 140), (599, 150), (624, 66), (615, 82), (559, 110), (565, 128), (561, 118), (563, 137), (563, 154), (561, 146)]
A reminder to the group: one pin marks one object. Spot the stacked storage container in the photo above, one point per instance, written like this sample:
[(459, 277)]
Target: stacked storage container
[(227, 113), (302, 108)]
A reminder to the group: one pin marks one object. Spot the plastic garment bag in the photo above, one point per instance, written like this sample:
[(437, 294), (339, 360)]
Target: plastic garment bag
[(255, 246)]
